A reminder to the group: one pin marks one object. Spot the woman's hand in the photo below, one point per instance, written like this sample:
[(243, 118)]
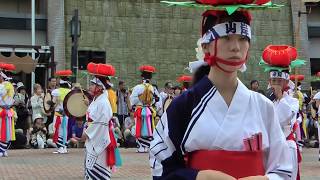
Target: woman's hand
[(255, 178), (213, 175), (277, 91)]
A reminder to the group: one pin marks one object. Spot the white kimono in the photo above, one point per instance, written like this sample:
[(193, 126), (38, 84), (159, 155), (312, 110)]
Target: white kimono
[(287, 109), (199, 119), (100, 112)]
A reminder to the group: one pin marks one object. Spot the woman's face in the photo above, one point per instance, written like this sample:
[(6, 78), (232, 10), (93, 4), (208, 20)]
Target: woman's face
[(278, 82), (22, 91), (93, 89), (39, 91), (177, 92), (231, 48)]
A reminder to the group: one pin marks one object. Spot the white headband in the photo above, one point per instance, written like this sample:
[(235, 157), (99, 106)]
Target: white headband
[(65, 82), (225, 29), (97, 82), (277, 74), (317, 96)]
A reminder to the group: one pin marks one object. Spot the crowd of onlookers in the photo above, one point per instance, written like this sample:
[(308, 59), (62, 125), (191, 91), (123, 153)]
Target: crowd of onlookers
[(34, 127)]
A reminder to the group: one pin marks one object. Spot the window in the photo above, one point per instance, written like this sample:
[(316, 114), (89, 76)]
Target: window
[(85, 57), (315, 65)]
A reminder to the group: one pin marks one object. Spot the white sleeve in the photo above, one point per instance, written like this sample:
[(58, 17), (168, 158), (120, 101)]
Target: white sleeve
[(55, 93), (136, 92), (278, 159), (159, 103), (3, 90), (161, 147), (284, 112)]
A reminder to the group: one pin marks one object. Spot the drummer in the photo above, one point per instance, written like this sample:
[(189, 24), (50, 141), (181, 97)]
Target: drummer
[(101, 147), (7, 119), (60, 119)]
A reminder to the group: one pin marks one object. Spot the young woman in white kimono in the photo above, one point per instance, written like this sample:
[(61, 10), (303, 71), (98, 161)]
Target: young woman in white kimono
[(316, 98), (7, 114), (60, 119), (144, 98), (287, 108), (219, 129), (100, 140), (279, 59)]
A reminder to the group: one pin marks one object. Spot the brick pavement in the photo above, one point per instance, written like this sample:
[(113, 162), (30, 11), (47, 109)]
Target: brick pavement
[(42, 164)]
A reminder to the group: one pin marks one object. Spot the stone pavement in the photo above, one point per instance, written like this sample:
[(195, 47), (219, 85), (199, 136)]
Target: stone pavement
[(34, 164)]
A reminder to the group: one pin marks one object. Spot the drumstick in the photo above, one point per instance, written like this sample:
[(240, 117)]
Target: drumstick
[(84, 97)]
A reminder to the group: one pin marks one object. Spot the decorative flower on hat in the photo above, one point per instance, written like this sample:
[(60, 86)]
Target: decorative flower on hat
[(101, 69), (184, 78), (299, 77), (64, 73), (7, 67), (228, 5), (279, 58), (147, 68)]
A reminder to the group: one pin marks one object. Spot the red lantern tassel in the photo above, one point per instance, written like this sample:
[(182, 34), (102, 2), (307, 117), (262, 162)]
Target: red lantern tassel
[(56, 132), (111, 158), (3, 125), (138, 118)]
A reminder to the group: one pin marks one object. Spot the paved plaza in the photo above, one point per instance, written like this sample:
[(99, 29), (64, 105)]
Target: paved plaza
[(35, 164)]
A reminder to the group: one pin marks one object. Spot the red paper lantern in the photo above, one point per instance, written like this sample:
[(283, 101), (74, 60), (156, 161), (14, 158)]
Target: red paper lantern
[(279, 55), (299, 77), (7, 67), (101, 69), (147, 68), (318, 74), (225, 2), (184, 78), (64, 73)]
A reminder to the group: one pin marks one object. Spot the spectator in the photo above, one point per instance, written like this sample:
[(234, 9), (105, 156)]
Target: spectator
[(50, 142), (77, 129), (37, 103), (254, 86), (122, 102), (177, 91), (52, 84), (38, 133), (21, 104), (168, 90), (128, 134)]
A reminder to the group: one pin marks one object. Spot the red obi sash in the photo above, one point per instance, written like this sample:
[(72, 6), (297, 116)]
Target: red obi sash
[(238, 164)]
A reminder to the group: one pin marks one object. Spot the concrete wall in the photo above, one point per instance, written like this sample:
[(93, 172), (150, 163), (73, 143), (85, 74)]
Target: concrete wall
[(135, 32)]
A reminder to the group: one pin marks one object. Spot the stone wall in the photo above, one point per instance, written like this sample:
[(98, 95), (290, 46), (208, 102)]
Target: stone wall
[(135, 32)]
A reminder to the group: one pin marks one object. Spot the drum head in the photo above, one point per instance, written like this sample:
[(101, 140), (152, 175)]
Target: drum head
[(47, 107), (74, 105), (167, 102)]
